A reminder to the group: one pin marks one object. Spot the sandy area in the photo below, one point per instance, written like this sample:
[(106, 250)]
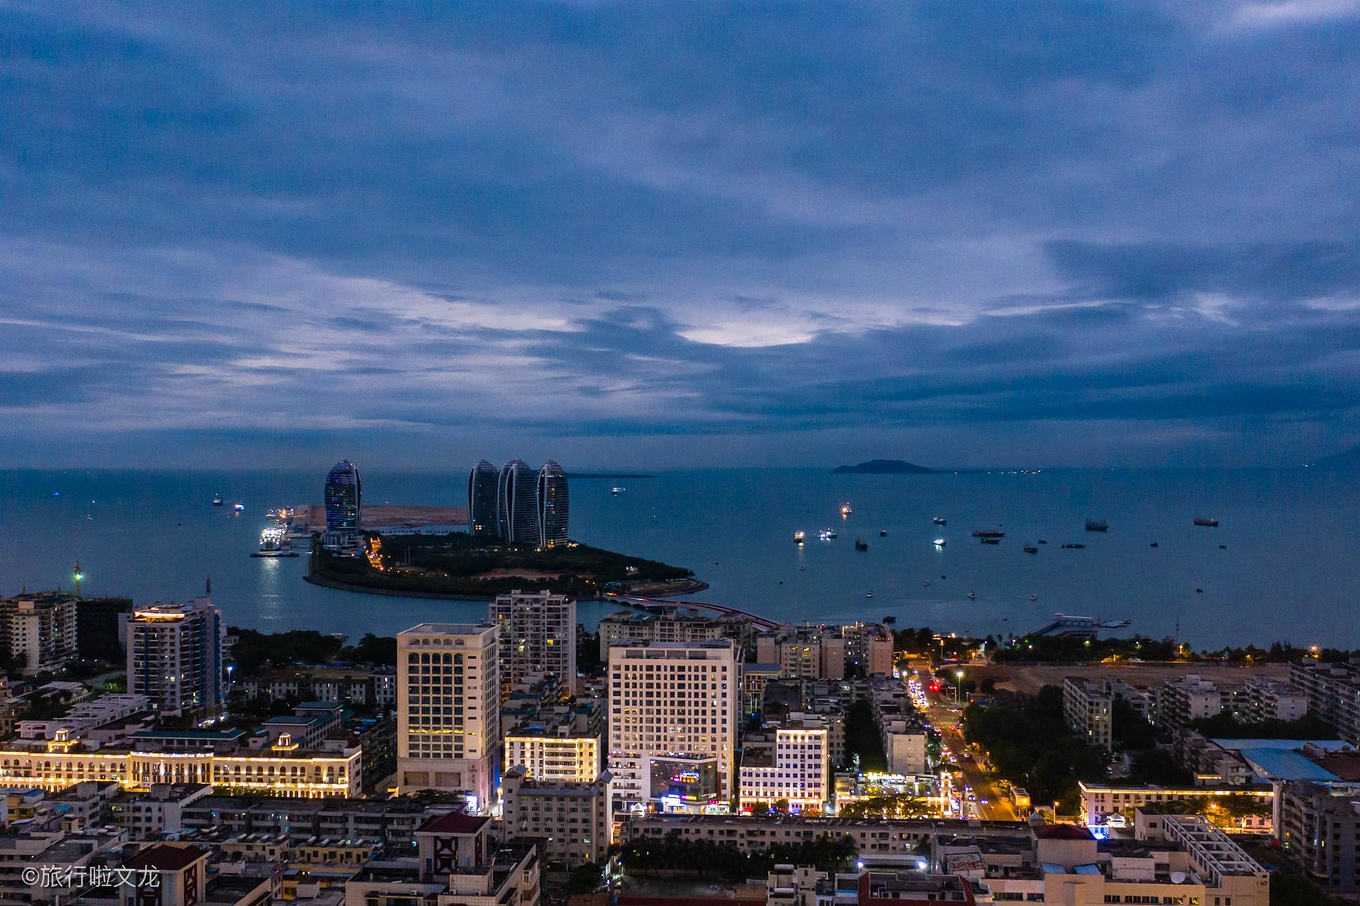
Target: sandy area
[(1029, 679)]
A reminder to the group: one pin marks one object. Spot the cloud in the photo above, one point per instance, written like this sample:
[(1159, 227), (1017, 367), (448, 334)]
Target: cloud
[(610, 222)]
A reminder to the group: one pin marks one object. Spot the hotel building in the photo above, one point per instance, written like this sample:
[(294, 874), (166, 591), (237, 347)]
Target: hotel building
[(792, 763), (537, 635), (554, 505), (448, 709), (672, 703), (174, 656), (517, 503), (482, 499), (343, 494)]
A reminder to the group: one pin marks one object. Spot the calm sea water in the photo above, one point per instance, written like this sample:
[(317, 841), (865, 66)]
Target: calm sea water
[(1289, 569)]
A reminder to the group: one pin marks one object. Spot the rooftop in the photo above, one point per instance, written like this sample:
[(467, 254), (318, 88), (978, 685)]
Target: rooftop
[(166, 857)]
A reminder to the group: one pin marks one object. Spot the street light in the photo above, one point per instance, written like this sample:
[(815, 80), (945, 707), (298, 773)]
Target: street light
[(958, 689)]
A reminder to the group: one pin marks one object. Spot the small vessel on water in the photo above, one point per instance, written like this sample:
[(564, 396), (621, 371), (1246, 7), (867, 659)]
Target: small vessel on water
[(861, 544), (991, 539), (616, 491), (1097, 525), (1153, 544), (939, 520), (882, 533), (1034, 597), (988, 533), (826, 534), (239, 507), (972, 596), (868, 594), (1031, 550), (925, 584), (1206, 521), (1042, 541), (217, 500), (1073, 546), (940, 542), (798, 537), (845, 509)]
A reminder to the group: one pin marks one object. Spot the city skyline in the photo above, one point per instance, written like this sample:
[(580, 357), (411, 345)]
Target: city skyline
[(1097, 234)]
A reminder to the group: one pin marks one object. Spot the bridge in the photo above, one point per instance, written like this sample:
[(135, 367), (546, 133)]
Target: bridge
[(656, 604)]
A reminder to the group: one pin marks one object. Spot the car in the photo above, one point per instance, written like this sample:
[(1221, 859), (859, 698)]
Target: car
[(982, 802), (972, 797)]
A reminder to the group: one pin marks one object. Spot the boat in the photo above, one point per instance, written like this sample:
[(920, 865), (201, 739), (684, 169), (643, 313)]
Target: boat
[(845, 509), (1206, 522), (798, 537), (861, 544), (802, 566), (616, 491), (239, 507), (1153, 544), (1073, 546), (1097, 525), (972, 596), (882, 533), (217, 500), (274, 542), (1034, 597), (940, 542), (826, 534), (925, 584), (1031, 550), (1042, 541), (1112, 624), (939, 520), (988, 533), (1199, 591), (990, 539), (868, 594), (1223, 547)]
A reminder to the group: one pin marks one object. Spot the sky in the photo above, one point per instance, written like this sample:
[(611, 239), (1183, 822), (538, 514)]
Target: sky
[(679, 234)]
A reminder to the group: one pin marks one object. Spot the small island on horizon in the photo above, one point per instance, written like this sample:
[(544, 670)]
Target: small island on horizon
[(885, 467)]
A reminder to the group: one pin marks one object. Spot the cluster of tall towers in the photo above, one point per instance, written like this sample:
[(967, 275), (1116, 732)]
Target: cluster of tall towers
[(518, 504)]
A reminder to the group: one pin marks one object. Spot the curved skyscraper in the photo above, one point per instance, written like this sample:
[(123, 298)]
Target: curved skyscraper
[(516, 503), (482, 499), (344, 506), (553, 505)]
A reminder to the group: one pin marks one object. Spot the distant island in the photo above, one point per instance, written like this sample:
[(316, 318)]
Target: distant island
[(609, 475), (885, 467), (458, 565)]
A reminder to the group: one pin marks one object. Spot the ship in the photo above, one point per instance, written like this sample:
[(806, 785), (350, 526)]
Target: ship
[(939, 520), (826, 534), (239, 507), (988, 533), (1206, 522), (882, 533), (617, 491), (861, 544), (1031, 550), (990, 539), (845, 510), (798, 537), (1097, 525), (217, 500), (940, 542), (1073, 546), (274, 542)]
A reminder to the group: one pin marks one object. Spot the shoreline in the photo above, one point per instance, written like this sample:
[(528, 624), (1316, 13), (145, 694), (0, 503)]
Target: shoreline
[(693, 586)]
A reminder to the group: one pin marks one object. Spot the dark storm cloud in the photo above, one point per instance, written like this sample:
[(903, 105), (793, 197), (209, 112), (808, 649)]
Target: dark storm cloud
[(611, 221)]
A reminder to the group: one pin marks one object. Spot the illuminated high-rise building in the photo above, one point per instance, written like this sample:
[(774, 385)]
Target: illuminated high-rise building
[(174, 656), (517, 503), (344, 507), (553, 505), (482, 499)]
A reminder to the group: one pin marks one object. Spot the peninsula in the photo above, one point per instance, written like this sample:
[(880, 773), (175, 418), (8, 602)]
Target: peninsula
[(459, 565)]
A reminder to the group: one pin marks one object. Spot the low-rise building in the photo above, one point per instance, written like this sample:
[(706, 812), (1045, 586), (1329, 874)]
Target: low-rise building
[(1100, 802), (159, 810), (1192, 697), (572, 821)]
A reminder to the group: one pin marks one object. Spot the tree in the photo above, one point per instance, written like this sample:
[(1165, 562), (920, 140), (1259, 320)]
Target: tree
[(585, 878)]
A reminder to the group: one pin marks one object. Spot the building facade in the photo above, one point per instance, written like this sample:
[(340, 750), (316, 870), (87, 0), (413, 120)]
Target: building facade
[(1088, 710), (343, 494), (517, 503), (482, 500), (554, 505), (174, 656), (573, 819), (1333, 692), (38, 631), (537, 635), (1319, 829), (671, 699), (790, 762), (448, 709)]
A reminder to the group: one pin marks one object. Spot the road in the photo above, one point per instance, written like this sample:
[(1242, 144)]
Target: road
[(990, 804)]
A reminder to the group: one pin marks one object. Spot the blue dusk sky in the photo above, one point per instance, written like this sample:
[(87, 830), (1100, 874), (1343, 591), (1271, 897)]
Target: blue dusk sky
[(672, 234)]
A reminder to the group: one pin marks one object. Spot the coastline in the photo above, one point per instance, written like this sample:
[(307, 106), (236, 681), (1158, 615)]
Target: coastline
[(688, 587)]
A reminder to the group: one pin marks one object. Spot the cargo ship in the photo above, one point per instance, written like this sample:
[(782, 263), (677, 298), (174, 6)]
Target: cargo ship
[(988, 533)]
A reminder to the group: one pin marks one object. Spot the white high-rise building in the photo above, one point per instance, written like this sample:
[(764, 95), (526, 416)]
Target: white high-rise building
[(38, 631), (537, 635), (672, 703), (448, 709), (174, 656), (793, 763)]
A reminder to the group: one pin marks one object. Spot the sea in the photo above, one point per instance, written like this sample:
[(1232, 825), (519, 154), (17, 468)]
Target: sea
[(1282, 565)]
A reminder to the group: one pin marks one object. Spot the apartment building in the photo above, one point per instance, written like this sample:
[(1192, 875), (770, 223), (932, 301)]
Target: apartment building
[(1087, 710), (1333, 692), (1319, 830), (38, 631), (1191, 698), (448, 709), (788, 761), (670, 700), (174, 656), (573, 820), (537, 635)]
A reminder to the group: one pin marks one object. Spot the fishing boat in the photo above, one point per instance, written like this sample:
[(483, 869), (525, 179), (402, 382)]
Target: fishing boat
[(939, 520), (239, 507), (972, 596), (845, 509), (826, 534), (882, 533), (217, 500), (940, 542), (798, 537), (614, 492), (1034, 597), (861, 544)]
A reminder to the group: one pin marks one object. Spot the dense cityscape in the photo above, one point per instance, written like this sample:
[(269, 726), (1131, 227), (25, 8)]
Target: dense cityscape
[(678, 753)]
